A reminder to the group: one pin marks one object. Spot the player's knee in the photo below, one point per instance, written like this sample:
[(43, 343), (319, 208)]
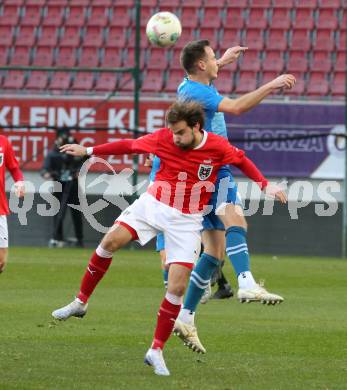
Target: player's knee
[(177, 289), (2, 262)]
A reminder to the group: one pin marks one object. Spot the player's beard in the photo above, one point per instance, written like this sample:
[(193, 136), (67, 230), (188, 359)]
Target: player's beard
[(191, 145)]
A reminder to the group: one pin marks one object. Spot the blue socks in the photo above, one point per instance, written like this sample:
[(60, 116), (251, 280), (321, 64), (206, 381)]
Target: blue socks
[(236, 248), (199, 280)]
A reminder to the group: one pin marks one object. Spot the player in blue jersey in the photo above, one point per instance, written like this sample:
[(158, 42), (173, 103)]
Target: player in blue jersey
[(225, 228)]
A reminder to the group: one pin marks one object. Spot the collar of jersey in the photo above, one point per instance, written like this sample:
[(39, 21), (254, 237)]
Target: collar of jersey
[(202, 143)]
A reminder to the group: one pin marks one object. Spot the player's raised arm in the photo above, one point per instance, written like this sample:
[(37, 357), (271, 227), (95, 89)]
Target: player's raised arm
[(145, 144), (251, 99), (238, 158)]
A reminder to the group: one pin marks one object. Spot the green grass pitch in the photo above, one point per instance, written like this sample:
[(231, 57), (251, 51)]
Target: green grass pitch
[(301, 344)]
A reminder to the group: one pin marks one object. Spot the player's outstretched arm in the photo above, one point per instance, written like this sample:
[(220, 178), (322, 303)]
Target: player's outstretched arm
[(145, 144), (252, 99), (249, 169), (231, 55)]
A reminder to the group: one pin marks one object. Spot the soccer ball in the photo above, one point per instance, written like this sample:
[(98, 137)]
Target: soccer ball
[(163, 29)]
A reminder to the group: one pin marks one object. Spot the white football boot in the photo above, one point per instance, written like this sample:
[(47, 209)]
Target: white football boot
[(154, 358), (189, 335), (258, 294), (74, 309), (206, 295)]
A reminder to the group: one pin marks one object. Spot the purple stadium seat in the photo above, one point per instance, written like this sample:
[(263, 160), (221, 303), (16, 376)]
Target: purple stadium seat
[(254, 39), (340, 63), (116, 37)]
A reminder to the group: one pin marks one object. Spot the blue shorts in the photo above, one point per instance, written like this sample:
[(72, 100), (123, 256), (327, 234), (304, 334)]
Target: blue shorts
[(226, 192), (160, 244)]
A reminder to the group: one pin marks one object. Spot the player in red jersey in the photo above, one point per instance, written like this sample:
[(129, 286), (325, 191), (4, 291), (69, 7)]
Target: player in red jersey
[(7, 161), (173, 204)]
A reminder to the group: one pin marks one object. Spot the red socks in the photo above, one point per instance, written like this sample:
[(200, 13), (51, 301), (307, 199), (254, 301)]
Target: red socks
[(167, 315), (95, 271)]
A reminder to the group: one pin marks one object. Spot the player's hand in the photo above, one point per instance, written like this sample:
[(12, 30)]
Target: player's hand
[(19, 189), (286, 81), (231, 55), (276, 191), (74, 150), (148, 161)]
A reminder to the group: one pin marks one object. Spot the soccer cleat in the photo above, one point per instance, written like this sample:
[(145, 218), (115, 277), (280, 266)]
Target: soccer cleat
[(154, 358), (223, 292), (189, 335), (207, 294), (74, 309), (258, 294)]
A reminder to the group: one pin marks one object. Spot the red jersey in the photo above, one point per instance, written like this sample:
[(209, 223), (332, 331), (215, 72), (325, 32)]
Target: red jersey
[(186, 177), (7, 161)]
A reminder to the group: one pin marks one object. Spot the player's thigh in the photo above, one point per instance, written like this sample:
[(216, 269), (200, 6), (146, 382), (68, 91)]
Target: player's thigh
[(214, 243), (117, 237), (233, 215), (178, 279), (3, 258)]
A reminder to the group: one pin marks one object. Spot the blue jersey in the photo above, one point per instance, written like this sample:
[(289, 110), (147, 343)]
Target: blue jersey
[(209, 97)]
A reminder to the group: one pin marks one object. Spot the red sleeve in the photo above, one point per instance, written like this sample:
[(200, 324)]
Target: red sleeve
[(146, 144), (249, 169), (238, 158), (12, 164)]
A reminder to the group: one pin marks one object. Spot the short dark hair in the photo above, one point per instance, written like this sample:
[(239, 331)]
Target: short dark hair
[(193, 52), (189, 111)]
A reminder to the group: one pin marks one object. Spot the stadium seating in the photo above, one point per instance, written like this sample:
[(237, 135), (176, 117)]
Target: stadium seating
[(307, 38)]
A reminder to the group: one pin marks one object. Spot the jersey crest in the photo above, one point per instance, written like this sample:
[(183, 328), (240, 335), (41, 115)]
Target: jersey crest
[(1, 159), (204, 171)]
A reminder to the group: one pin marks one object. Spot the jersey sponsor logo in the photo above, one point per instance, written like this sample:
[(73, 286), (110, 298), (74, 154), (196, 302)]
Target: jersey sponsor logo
[(204, 171), (1, 159)]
